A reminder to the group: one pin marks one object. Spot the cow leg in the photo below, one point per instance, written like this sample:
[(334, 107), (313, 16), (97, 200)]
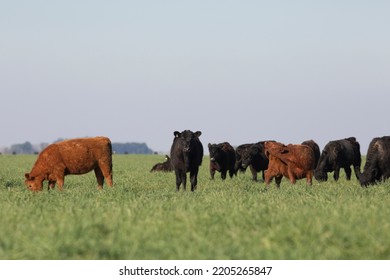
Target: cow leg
[(51, 185), (357, 171), (336, 174), (223, 174), (108, 178), (184, 179), (212, 173), (309, 178), (107, 174), (99, 177), (291, 176), (348, 171), (278, 179), (178, 179), (60, 182), (254, 173), (194, 179), (267, 178), (269, 175), (231, 173)]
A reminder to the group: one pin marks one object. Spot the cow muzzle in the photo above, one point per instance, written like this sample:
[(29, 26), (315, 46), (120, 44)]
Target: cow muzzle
[(320, 176)]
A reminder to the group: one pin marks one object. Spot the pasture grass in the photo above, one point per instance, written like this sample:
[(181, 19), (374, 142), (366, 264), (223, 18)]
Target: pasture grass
[(143, 217)]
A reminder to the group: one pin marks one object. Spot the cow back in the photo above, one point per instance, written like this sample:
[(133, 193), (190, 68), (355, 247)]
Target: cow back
[(82, 155), (300, 155)]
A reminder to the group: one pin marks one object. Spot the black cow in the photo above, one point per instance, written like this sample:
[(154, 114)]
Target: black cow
[(239, 151), (254, 157), (222, 159), (316, 149), (377, 167), (339, 154), (165, 166), (186, 156)]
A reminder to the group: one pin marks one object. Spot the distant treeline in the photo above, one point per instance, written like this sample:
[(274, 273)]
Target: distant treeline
[(131, 148), (117, 148)]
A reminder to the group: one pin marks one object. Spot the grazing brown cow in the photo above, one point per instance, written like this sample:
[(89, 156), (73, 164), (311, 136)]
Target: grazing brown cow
[(291, 161), (75, 156)]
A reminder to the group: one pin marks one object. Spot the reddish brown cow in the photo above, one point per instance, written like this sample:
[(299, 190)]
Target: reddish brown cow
[(291, 161), (75, 156)]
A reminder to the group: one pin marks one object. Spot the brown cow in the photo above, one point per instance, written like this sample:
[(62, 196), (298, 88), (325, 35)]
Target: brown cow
[(75, 156), (291, 161)]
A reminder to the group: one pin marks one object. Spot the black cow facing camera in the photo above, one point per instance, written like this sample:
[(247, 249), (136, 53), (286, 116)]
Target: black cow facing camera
[(239, 152), (186, 156), (222, 159), (254, 157)]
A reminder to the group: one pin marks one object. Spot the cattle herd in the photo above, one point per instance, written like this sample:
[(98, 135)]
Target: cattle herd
[(273, 159)]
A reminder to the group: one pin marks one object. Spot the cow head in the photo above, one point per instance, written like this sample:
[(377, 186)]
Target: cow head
[(216, 155), (239, 151), (248, 155), (372, 173), (328, 160), (320, 175), (33, 183), (275, 148), (369, 177), (187, 139)]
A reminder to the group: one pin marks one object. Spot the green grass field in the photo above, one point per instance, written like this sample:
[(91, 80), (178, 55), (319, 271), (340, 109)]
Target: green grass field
[(143, 217)]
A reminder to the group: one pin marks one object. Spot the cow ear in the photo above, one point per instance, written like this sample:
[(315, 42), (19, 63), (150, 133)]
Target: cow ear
[(177, 134), (209, 145), (198, 133)]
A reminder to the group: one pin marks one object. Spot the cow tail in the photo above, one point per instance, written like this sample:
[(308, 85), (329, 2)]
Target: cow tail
[(109, 145)]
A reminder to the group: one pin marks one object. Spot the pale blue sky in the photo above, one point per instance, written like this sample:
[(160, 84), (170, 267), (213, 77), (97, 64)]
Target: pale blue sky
[(239, 71)]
